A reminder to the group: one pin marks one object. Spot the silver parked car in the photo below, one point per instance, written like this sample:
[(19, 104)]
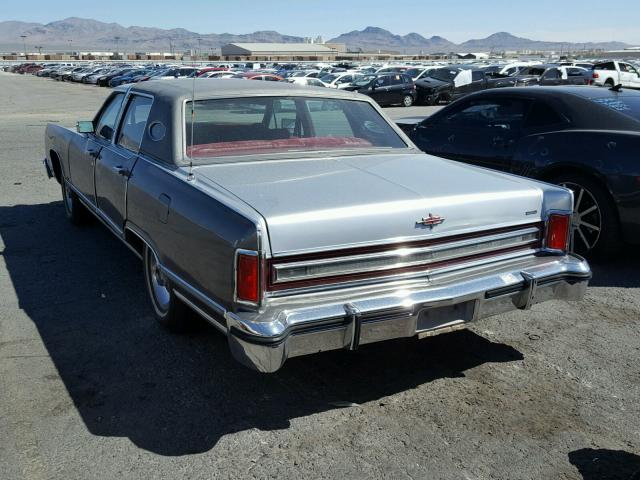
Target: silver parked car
[(299, 220)]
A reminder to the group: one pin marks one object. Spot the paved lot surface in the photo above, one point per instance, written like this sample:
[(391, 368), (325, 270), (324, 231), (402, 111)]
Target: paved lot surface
[(91, 387)]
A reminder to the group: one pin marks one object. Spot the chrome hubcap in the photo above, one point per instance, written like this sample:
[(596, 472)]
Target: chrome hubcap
[(159, 285), (68, 200), (586, 222)]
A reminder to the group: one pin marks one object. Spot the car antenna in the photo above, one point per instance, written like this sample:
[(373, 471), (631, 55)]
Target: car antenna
[(190, 176), (616, 88)]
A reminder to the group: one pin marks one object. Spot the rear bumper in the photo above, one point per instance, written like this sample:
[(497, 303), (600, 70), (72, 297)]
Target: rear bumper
[(301, 326)]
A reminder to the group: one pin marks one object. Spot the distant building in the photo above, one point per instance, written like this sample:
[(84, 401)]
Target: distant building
[(628, 53), (277, 52)]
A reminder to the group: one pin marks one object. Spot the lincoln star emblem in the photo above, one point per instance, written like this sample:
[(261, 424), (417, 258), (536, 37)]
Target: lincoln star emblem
[(431, 221)]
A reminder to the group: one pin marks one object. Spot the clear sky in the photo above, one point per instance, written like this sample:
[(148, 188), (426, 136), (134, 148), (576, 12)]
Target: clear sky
[(556, 20)]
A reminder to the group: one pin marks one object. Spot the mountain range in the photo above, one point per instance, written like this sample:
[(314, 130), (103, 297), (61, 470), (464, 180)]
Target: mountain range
[(374, 38), (87, 34)]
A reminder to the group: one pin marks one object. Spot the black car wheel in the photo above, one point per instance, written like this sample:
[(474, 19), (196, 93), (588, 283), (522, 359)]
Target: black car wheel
[(167, 308), (407, 101), (595, 228), (76, 212)]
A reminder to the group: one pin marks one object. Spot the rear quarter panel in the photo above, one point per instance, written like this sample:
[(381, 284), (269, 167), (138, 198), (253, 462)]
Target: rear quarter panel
[(200, 236), (608, 156)]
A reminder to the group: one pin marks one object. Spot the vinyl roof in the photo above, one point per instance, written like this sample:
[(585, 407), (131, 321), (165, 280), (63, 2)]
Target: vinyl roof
[(184, 88)]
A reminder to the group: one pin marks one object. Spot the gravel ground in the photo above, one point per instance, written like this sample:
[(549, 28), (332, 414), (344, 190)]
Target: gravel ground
[(91, 387)]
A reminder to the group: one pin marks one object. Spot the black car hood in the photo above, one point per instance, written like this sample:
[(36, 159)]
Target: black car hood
[(432, 83)]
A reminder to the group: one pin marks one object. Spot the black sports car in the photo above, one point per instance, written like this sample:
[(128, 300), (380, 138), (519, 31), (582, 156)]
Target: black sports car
[(584, 138)]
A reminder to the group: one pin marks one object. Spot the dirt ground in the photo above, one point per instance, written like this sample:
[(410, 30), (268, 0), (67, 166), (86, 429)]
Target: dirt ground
[(91, 387)]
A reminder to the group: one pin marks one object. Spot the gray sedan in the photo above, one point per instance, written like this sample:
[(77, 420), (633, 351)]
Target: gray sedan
[(298, 219)]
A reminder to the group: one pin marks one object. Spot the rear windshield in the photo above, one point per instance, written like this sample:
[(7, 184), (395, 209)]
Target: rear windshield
[(264, 125), (629, 106)]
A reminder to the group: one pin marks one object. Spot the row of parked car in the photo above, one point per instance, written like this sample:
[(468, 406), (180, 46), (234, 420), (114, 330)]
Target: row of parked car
[(387, 84)]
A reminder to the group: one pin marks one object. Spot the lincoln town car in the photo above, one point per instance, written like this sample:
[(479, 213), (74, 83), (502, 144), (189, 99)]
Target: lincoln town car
[(298, 220)]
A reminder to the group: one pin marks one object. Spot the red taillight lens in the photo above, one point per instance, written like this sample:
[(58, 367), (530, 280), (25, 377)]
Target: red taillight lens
[(595, 75), (248, 278), (558, 232)]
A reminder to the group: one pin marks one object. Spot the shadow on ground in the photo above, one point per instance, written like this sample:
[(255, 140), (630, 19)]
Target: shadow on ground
[(621, 271), (605, 464), (176, 395)]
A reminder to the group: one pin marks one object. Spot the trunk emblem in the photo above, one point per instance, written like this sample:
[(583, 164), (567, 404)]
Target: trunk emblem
[(431, 221)]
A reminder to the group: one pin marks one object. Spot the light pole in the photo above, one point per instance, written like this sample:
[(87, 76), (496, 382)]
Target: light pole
[(117, 39), (199, 49), (39, 48), (24, 43)]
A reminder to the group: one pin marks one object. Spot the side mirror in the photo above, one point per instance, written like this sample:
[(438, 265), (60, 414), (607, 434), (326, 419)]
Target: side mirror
[(106, 132), (85, 126)]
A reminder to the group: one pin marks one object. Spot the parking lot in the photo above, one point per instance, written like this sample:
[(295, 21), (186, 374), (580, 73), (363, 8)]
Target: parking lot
[(92, 387)]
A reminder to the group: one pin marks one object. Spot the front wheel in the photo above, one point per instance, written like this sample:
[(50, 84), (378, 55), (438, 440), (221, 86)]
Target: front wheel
[(407, 101), (76, 212), (169, 311), (595, 229)]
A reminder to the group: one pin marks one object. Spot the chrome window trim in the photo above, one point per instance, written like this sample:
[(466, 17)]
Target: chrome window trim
[(123, 109), (402, 253)]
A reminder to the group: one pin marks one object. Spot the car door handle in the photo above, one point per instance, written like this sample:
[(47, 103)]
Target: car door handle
[(120, 170), (451, 138), (93, 153)]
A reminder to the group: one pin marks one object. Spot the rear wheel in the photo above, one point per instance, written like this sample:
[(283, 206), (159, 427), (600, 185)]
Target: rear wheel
[(407, 101), (167, 308), (595, 228)]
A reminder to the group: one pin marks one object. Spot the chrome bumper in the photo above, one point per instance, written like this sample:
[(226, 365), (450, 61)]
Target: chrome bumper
[(303, 325)]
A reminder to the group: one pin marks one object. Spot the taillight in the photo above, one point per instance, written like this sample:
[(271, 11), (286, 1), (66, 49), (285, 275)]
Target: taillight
[(595, 75), (248, 277), (558, 232)]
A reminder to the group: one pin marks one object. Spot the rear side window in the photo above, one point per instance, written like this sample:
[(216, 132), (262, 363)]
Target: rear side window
[(605, 66), (552, 73), (542, 115), (477, 75), (134, 123), (575, 72), (383, 81), (502, 113)]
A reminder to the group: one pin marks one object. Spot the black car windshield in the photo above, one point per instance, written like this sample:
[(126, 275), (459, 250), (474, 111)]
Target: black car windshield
[(627, 105), (266, 125), (444, 74)]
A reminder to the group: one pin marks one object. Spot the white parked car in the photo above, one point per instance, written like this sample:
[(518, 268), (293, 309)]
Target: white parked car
[(308, 81), (218, 74), (616, 73), (339, 80)]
